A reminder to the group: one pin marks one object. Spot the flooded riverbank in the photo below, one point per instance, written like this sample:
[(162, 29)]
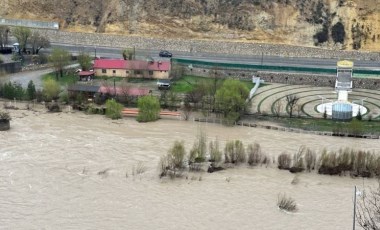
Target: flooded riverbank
[(50, 164)]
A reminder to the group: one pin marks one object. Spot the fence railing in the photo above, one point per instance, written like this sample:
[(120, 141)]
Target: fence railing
[(314, 70), (29, 23)]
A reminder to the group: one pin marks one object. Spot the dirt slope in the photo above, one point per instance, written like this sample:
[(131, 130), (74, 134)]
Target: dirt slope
[(340, 24)]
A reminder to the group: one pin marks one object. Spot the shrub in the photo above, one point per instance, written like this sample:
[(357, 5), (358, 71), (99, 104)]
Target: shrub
[(31, 90), (284, 161), (12, 91), (338, 33), (172, 164), (298, 160), (114, 109), (215, 153), (310, 159), (286, 203), (234, 152), (5, 116), (149, 109), (255, 156), (198, 152), (51, 89)]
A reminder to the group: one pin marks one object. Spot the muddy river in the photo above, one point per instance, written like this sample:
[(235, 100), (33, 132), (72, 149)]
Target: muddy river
[(50, 164)]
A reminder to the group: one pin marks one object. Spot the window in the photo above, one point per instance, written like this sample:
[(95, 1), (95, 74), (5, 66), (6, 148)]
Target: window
[(137, 72), (113, 71), (150, 72), (127, 71), (104, 71)]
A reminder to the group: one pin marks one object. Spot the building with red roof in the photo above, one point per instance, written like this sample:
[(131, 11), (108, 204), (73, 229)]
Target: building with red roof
[(132, 68)]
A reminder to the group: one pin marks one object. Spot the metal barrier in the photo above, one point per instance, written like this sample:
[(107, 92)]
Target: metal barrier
[(29, 23), (270, 67)]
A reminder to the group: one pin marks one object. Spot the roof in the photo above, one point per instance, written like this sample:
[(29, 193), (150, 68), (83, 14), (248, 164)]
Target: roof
[(84, 88), (109, 64), (132, 65), (86, 73), (121, 91)]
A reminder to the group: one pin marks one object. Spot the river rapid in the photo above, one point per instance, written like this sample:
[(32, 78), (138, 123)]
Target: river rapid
[(75, 171)]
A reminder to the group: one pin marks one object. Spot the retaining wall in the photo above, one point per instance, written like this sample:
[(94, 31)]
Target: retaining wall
[(11, 67)]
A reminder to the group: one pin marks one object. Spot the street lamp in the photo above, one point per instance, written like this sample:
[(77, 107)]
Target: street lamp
[(323, 105), (356, 193)]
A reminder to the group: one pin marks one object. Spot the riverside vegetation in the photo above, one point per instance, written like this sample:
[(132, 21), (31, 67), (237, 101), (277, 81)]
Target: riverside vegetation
[(347, 161)]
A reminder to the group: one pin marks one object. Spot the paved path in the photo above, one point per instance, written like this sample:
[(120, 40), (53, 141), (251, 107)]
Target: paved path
[(25, 77)]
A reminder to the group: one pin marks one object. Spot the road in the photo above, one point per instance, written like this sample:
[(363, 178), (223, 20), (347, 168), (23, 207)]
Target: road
[(230, 58)]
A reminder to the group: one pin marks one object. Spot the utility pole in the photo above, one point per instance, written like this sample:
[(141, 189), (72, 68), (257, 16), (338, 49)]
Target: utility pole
[(353, 225)]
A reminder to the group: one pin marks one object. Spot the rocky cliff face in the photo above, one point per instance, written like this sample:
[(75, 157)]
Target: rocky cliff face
[(341, 24)]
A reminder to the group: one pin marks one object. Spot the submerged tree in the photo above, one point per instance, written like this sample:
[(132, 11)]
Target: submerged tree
[(368, 209)]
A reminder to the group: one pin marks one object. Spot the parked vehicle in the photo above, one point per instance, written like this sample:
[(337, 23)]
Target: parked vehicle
[(165, 53), (163, 84)]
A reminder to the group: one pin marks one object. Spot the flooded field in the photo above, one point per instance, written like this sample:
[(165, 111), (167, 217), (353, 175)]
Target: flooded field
[(77, 171)]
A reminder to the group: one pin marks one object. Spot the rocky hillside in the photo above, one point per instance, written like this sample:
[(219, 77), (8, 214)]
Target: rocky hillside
[(340, 24)]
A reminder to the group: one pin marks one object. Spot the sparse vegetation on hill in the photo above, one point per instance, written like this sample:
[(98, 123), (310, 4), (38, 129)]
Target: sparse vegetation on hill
[(290, 22)]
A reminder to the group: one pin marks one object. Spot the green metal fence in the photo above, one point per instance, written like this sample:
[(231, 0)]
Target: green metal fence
[(314, 70)]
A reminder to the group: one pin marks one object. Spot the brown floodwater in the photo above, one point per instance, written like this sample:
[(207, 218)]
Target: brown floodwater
[(50, 164)]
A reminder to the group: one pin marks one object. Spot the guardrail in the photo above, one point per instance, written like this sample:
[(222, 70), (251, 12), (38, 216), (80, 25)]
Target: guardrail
[(29, 23), (276, 68)]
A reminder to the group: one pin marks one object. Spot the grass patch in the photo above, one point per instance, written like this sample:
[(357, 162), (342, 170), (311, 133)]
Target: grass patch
[(66, 79), (187, 83)]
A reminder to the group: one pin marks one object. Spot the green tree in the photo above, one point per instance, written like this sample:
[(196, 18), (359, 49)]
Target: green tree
[(22, 34), (38, 42), (231, 99), (4, 34), (60, 58), (51, 89), (149, 109), (31, 90), (13, 91), (84, 61), (129, 54), (113, 109)]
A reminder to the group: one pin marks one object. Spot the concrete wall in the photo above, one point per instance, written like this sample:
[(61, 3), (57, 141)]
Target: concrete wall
[(11, 67)]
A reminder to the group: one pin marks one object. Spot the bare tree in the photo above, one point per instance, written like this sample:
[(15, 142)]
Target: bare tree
[(368, 210), (278, 107), (4, 32), (38, 42), (292, 100)]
